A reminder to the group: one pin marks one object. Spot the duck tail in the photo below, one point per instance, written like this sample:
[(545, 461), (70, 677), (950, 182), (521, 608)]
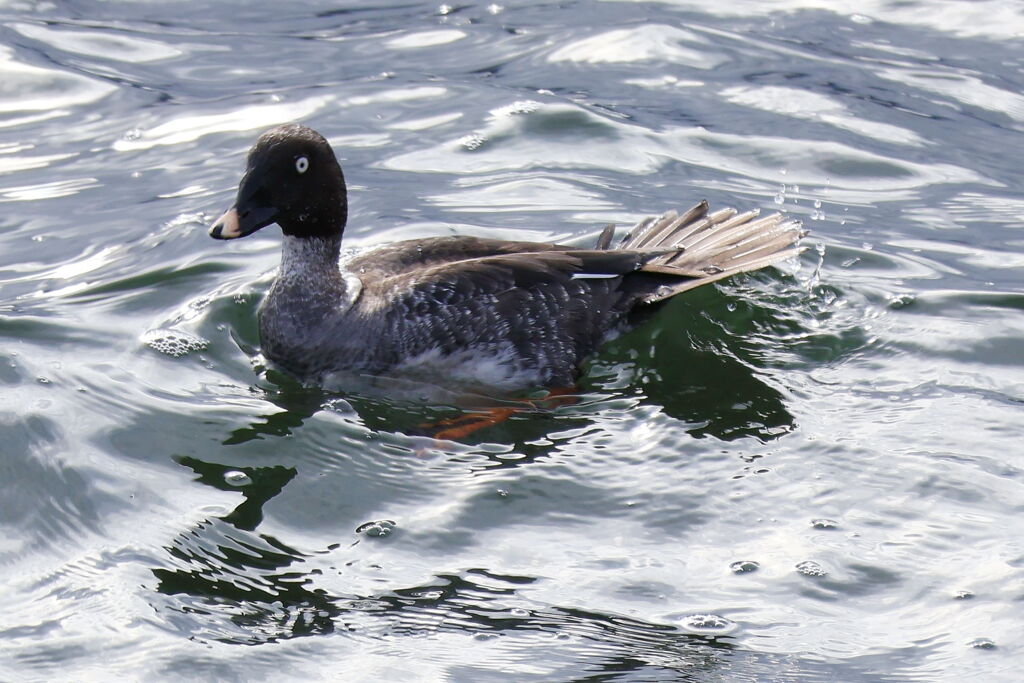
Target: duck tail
[(709, 246)]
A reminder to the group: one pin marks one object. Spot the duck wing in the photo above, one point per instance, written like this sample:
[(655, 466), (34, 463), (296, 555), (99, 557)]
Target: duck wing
[(408, 255)]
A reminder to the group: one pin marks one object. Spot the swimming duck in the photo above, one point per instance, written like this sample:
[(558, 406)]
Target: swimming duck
[(504, 314)]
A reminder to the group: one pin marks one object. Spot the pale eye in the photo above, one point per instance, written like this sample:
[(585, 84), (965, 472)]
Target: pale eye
[(301, 164)]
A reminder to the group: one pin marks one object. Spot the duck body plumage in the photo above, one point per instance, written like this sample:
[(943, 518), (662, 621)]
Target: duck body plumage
[(498, 313)]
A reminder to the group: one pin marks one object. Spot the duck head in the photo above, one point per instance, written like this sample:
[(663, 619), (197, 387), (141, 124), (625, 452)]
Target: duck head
[(292, 178)]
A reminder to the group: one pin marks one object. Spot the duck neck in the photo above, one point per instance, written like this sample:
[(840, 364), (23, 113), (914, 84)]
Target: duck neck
[(309, 268)]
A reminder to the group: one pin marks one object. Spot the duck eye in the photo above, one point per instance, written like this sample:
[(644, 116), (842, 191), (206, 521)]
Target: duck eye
[(301, 164)]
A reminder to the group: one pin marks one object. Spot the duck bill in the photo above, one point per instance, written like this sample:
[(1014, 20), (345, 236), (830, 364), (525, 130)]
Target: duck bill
[(234, 224)]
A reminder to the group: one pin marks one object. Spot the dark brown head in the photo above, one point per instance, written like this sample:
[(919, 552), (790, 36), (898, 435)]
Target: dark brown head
[(293, 179)]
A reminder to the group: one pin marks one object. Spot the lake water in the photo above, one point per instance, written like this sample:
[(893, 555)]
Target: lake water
[(811, 473)]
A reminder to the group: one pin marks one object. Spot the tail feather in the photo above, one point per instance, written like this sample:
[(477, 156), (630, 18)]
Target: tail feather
[(710, 246)]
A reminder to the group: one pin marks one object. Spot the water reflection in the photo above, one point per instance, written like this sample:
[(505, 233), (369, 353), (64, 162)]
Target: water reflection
[(227, 583)]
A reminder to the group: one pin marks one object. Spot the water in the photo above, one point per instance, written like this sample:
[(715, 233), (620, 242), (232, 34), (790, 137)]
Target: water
[(812, 474)]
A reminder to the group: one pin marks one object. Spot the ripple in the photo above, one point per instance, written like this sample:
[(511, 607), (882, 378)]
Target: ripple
[(708, 624), (30, 88), (555, 135), (538, 193), (804, 104), (48, 190), (425, 39), (190, 128), (105, 44), (969, 90), (646, 43)]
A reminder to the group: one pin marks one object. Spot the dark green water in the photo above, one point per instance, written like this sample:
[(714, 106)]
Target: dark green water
[(811, 474)]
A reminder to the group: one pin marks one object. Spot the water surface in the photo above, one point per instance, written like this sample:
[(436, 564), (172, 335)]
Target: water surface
[(807, 473)]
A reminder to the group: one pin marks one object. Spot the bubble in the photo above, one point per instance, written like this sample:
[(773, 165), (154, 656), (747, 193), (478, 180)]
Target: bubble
[(173, 342), (744, 566), (824, 524), (518, 612), (983, 644), (380, 528), (811, 568), (237, 478), (963, 595), (707, 624)]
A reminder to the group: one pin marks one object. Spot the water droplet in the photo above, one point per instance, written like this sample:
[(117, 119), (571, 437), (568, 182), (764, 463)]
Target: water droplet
[(983, 644), (132, 134), (707, 624), (817, 203), (445, 9), (237, 478), (503, 493), (963, 595), (731, 307), (744, 566), (43, 380), (824, 523), (379, 528), (495, 8), (780, 198), (811, 568), (519, 612)]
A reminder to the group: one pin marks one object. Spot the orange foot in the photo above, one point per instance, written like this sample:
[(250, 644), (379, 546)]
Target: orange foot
[(456, 428)]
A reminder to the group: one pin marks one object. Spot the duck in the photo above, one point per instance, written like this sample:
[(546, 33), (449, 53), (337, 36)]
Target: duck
[(503, 314)]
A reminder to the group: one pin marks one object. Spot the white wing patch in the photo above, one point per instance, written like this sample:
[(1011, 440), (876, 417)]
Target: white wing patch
[(593, 276)]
